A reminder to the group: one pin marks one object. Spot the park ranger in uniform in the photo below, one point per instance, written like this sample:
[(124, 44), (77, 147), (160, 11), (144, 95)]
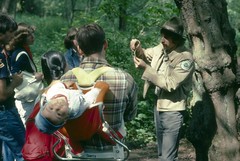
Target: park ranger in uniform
[(169, 66)]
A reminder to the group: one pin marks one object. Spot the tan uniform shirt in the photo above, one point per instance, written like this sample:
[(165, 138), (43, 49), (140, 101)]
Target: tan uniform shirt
[(172, 76)]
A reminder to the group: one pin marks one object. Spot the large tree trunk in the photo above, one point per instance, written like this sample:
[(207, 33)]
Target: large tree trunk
[(213, 127)]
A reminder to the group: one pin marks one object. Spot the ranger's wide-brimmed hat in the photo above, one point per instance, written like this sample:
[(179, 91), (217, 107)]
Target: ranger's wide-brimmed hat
[(175, 26)]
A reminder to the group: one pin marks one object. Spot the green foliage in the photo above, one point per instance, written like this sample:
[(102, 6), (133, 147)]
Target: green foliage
[(53, 8), (42, 7), (234, 18), (149, 17), (141, 130)]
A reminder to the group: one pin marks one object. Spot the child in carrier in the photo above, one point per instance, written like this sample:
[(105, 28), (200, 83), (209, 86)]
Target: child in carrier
[(38, 145), (62, 103)]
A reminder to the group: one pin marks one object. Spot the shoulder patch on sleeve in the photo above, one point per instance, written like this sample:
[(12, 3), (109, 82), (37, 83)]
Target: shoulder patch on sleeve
[(186, 64)]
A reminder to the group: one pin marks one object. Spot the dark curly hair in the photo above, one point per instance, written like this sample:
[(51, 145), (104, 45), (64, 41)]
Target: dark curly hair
[(20, 36)]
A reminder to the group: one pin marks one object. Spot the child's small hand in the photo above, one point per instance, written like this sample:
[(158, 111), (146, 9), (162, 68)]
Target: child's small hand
[(91, 95), (70, 85), (39, 76)]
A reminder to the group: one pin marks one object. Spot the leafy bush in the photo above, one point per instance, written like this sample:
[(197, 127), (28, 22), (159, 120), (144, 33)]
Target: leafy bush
[(141, 130)]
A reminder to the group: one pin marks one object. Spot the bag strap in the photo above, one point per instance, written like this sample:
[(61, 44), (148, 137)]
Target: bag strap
[(88, 78), (29, 59)]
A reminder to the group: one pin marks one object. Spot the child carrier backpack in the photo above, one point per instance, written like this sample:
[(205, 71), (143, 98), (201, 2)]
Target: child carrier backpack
[(38, 146), (91, 122)]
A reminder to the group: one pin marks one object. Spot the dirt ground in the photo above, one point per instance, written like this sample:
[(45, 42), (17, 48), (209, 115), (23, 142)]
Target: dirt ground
[(149, 153)]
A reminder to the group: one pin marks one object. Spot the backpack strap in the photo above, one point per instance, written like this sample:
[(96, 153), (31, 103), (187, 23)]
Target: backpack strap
[(29, 59), (87, 79)]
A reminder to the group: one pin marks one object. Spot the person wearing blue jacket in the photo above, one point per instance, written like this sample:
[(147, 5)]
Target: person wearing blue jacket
[(12, 131), (72, 57)]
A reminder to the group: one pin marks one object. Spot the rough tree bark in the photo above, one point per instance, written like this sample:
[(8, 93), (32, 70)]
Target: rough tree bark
[(212, 130)]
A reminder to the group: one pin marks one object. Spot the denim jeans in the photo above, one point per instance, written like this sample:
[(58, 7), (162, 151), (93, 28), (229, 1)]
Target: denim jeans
[(1, 159), (7, 153), (168, 125), (12, 133)]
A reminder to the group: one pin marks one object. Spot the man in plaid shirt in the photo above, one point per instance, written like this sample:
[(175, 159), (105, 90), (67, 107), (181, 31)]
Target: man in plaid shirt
[(121, 100)]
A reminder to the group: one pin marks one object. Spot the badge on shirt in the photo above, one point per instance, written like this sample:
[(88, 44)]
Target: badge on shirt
[(186, 64), (1, 64)]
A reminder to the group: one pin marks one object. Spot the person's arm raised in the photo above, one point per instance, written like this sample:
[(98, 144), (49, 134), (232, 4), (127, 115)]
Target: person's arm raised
[(7, 90)]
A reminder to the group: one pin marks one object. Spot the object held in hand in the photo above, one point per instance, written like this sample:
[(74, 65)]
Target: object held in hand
[(137, 43), (134, 53)]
